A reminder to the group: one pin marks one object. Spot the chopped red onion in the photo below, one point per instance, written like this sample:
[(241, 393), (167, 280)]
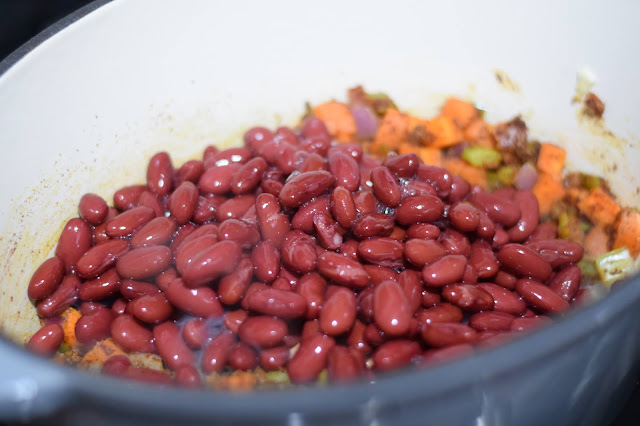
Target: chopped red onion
[(526, 177), (366, 120)]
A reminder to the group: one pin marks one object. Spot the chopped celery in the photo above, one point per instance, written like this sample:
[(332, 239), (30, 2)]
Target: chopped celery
[(505, 175), (588, 267), (378, 96), (280, 377), (614, 265), (323, 377), (492, 180), (591, 182), (480, 156), (563, 225), (64, 348), (584, 226)]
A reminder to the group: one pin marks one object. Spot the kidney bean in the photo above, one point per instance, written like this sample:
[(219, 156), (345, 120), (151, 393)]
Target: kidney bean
[(190, 248), (143, 262), (183, 202), (529, 323), (423, 231), (338, 312), (395, 354), (374, 336), (119, 306), (150, 200), (349, 249), (483, 260), (234, 319), (469, 276), (378, 274), (284, 304), (345, 169), (211, 263), (130, 335), (47, 340), (307, 162), (160, 174), (500, 237), (289, 276), (231, 155), (195, 333), (309, 329), (74, 241), (129, 221), (303, 187), (247, 178), (234, 208), (205, 209), (266, 260), (486, 228), (381, 251), (454, 242), (385, 186), (442, 312), (131, 289), (419, 209), (272, 359), (187, 376), (430, 297), (216, 353), (240, 232), (356, 339), (256, 137), (529, 216), (127, 197), (343, 207), (46, 278), (100, 288), (504, 300), (298, 252), (438, 177), (217, 179), (544, 231), (284, 157), (273, 224), (201, 302), (468, 297), (433, 356), (312, 287), (524, 261), (254, 287), (232, 287), (342, 270), (262, 331), (93, 209), (327, 231), (446, 270), (365, 202), (316, 145), (391, 309), (501, 210), (491, 321), (190, 171), (341, 365), (464, 216), (147, 375), (459, 189), (417, 188), (404, 166), (313, 126), (171, 348), (373, 225), (94, 326), (566, 282), (442, 334), (506, 280), (541, 297), (155, 233), (303, 218), (184, 237), (310, 359), (557, 252), (242, 357), (62, 297), (152, 308)]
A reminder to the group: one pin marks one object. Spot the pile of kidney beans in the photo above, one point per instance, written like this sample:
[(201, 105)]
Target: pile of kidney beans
[(368, 266)]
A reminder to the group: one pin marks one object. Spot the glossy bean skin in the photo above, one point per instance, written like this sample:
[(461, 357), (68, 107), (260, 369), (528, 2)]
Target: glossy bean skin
[(438, 177), (524, 261), (418, 187), (46, 340), (160, 174), (298, 252), (403, 166), (247, 178), (338, 312), (381, 251), (273, 359), (156, 232), (501, 210), (183, 202), (310, 359), (187, 376), (341, 366), (410, 283), (327, 231), (130, 335), (443, 334), (266, 260), (378, 274), (303, 218), (201, 302), (464, 216), (395, 354), (232, 287), (46, 278), (505, 279), (566, 282), (216, 353), (419, 209), (342, 270), (102, 287), (171, 348), (273, 224), (343, 207), (234, 319), (262, 331), (433, 356), (256, 137), (345, 169), (129, 221), (143, 262), (205, 210), (446, 270), (233, 208), (529, 323), (468, 297), (483, 260), (373, 225), (127, 198), (284, 304), (190, 171), (94, 326), (441, 312), (74, 241), (312, 287), (93, 209), (385, 186), (504, 299), (459, 189), (150, 200), (217, 180), (132, 289), (240, 232), (152, 308), (454, 242), (301, 188), (62, 297), (541, 297), (491, 321), (211, 263), (421, 252), (195, 333), (391, 310), (557, 252), (529, 217), (237, 155)]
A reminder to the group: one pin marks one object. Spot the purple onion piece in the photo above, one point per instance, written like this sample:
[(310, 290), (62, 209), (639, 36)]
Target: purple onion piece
[(526, 177), (366, 121)]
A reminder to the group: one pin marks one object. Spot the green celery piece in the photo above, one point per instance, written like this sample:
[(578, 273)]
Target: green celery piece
[(378, 95), (505, 175), (588, 267), (64, 348), (591, 182), (563, 225), (278, 377), (323, 377), (480, 156), (614, 265)]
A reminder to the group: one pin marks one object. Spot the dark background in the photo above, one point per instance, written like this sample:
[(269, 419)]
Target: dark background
[(22, 19)]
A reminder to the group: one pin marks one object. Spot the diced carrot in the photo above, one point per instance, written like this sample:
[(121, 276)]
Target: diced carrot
[(338, 119), (406, 148), (599, 207), (628, 232), (575, 194), (430, 156), (393, 130), (100, 353), (473, 175), (70, 317), (479, 132), (551, 159), (445, 132), (548, 189), (461, 112), (596, 243)]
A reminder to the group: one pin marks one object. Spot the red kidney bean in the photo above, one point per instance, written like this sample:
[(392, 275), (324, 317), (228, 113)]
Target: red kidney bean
[(353, 149), (94, 326), (307, 162), (529, 323), (374, 336), (557, 252), (100, 288), (404, 166), (454, 242), (127, 222), (342, 270), (316, 145), (373, 225), (240, 232), (234, 208), (160, 174), (185, 237), (184, 233), (303, 218), (313, 126), (231, 155), (273, 224), (143, 262), (349, 249), (287, 135), (88, 307), (284, 304), (187, 376), (242, 357), (46, 341), (395, 354), (468, 297), (418, 188), (500, 237), (187, 251), (310, 329), (234, 319), (345, 169), (398, 234), (131, 289), (486, 228), (419, 209), (524, 261), (442, 312), (529, 217), (190, 171), (247, 178), (273, 359), (469, 276), (74, 241), (356, 339), (201, 302), (365, 202), (119, 306), (566, 282), (211, 263), (127, 197), (64, 296), (483, 260), (459, 189), (338, 312), (446, 270), (391, 309), (438, 177), (385, 186), (544, 231), (254, 287), (93, 209), (541, 297), (217, 179), (312, 287), (501, 210), (430, 297), (364, 302), (503, 299), (442, 334), (341, 365), (381, 251), (206, 209), (130, 335), (152, 308), (409, 281), (310, 359), (232, 287), (171, 348), (327, 231), (506, 280), (378, 274), (255, 137), (421, 252), (266, 260), (284, 157), (491, 321), (262, 331), (164, 279), (195, 333), (216, 354), (301, 188), (183, 202), (46, 278), (155, 233), (147, 375), (298, 252), (151, 200), (432, 356), (464, 216)]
